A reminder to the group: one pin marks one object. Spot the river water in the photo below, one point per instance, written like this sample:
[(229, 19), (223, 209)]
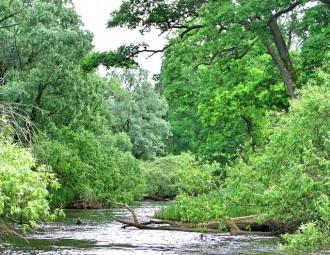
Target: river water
[(99, 235)]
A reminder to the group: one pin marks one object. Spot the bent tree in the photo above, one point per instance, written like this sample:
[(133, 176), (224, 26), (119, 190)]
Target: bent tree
[(224, 29)]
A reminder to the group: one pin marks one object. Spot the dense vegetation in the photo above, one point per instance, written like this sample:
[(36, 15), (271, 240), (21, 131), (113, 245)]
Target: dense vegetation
[(247, 86), (238, 122), (24, 196), (89, 131)]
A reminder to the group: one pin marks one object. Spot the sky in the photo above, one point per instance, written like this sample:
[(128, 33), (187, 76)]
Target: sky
[(95, 15)]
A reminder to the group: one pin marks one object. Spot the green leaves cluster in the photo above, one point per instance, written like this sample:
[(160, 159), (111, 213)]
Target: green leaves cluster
[(202, 208), (310, 237), (286, 180), (23, 186), (139, 110), (77, 117), (217, 112), (172, 175), (292, 171), (95, 168)]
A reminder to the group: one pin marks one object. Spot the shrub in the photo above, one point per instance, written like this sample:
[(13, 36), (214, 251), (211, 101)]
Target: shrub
[(197, 209), (23, 186), (91, 167), (288, 179), (309, 237), (172, 175), (162, 175)]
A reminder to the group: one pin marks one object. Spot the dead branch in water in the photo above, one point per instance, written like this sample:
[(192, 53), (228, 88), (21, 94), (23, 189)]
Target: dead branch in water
[(128, 209), (6, 231), (234, 225)]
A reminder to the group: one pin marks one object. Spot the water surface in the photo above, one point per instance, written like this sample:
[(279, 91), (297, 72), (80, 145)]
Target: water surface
[(99, 235)]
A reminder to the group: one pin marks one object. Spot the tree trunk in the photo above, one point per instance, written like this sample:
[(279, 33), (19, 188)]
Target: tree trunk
[(279, 52), (250, 130), (33, 115), (37, 102)]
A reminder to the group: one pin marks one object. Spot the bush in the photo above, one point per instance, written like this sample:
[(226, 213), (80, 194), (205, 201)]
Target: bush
[(198, 209), (288, 179), (199, 177), (162, 175), (309, 237), (90, 167), (23, 186), (172, 175)]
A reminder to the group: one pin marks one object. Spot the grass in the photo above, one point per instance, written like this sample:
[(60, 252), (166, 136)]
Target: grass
[(178, 213), (170, 212)]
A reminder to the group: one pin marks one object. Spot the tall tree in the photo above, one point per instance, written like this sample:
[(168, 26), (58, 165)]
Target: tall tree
[(225, 29), (140, 111), (40, 58), (216, 110)]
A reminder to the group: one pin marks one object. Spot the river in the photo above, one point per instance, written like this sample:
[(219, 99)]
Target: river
[(99, 234)]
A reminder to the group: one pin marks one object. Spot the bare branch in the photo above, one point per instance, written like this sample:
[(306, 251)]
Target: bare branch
[(146, 50), (188, 29), (280, 13), (129, 209)]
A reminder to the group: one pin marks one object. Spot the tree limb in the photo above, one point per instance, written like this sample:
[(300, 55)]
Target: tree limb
[(11, 15), (233, 224), (189, 28), (153, 52), (280, 13), (287, 79), (8, 26), (128, 209)]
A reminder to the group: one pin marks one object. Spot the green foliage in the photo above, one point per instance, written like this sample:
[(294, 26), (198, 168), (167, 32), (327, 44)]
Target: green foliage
[(42, 59), (162, 174), (172, 175), (197, 209), (226, 65), (292, 171), (23, 186), (309, 237), (108, 59), (222, 31), (139, 111), (217, 110), (91, 167), (198, 177), (285, 180)]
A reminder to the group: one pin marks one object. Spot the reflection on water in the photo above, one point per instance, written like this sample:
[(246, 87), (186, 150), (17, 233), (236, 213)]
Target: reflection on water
[(100, 235)]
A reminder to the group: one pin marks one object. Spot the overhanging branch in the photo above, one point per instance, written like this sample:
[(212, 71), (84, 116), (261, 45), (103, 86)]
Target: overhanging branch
[(280, 13), (11, 15), (8, 26)]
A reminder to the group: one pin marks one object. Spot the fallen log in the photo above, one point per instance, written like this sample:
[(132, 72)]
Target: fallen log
[(166, 227), (233, 224)]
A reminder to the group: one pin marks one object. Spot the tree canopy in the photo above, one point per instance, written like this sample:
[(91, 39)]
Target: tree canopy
[(229, 29)]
